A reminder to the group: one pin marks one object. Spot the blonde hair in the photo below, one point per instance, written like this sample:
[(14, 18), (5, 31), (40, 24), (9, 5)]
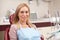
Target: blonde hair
[(16, 18)]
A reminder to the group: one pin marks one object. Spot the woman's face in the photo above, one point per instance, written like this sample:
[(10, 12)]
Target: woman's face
[(23, 14)]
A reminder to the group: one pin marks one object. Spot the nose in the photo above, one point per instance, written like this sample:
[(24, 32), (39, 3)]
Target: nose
[(24, 13)]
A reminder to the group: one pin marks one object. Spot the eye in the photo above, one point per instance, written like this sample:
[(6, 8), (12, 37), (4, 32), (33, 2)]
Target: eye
[(26, 12), (22, 11)]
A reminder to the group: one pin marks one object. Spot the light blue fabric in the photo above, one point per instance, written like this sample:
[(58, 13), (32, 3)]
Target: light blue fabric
[(28, 34)]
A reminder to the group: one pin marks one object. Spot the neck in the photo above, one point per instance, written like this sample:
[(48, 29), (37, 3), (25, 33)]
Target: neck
[(22, 22)]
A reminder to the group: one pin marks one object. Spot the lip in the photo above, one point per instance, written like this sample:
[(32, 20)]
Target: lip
[(24, 17)]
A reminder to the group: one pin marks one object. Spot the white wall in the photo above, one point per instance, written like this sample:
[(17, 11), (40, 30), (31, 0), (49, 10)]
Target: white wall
[(8, 4), (40, 9), (54, 7)]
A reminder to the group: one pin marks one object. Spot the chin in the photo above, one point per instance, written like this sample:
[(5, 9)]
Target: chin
[(23, 20)]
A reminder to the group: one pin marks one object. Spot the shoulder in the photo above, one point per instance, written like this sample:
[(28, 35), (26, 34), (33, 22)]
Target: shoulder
[(33, 26), (13, 26)]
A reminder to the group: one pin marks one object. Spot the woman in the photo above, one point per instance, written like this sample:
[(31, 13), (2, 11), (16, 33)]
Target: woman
[(22, 29)]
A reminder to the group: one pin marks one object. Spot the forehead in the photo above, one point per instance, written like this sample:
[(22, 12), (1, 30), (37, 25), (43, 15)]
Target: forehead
[(24, 8)]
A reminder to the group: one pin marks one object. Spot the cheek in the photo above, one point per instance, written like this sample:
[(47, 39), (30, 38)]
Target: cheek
[(19, 15), (28, 14)]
